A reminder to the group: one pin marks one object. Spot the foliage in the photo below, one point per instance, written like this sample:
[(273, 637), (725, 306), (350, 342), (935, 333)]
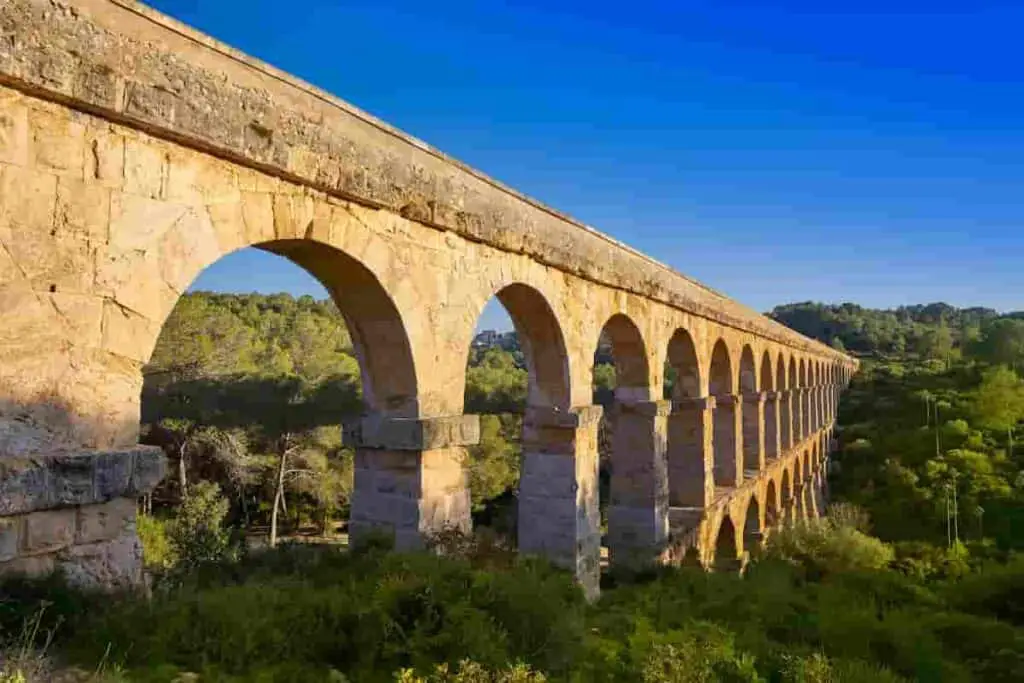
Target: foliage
[(197, 535), (933, 331), (158, 552), (822, 546)]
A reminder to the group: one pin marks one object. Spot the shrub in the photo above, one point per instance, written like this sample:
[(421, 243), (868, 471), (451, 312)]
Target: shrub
[(353, 613), (469, 671), (197, 534), (821, 547), (158, 553)]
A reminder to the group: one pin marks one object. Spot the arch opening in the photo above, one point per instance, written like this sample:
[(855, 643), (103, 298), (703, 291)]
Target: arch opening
[(772, 445), (752, 532), (771, 508), (689, 427), (726, 555), (785, 406), (751, 413), (517, 363), (727, 428), (234, 377), (633, 459)]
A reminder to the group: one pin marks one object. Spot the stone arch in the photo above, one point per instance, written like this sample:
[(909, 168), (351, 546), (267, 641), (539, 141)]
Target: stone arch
[(721, 381), (785, 405), (682, 359), (748, 371), (752, 532), (726, 550), (786, 495), (637, 509), (797, 408), (767, 377), (543, 345), (726, 437), (690, 478), (771, 408), (751, 411), (629, 352), (804, 400), (771, 504), (378, 331)]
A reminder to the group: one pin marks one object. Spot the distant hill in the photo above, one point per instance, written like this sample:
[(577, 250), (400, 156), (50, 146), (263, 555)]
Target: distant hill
[(924, 330)]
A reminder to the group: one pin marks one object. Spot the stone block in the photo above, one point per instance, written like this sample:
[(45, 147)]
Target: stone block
[(10, 537), (13, 129), (109, 564), (145, 167), (150, 467), (23, 485), (58, 141), (113, 474), (27, 199), (48, 530), (82, 210), (70, 479), (105, 521), (33, 567), (81, 315), (105, 161), (412, 434)]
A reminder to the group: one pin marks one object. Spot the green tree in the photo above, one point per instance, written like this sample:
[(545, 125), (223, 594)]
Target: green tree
[(197, 534), (1002, 341), (493, 463), (998, 403)]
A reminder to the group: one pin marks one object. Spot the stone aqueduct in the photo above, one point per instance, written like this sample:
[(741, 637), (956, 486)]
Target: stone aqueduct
[(135, 152)]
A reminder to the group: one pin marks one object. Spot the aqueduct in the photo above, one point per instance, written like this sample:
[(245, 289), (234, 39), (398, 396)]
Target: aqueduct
[(135, 152)]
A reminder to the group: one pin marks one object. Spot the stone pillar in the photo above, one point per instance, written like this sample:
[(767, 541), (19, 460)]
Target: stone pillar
[(819, 407), (638, 526), (409, 478), (772, 425), (558, 491), (800, 418), (728, 441), (690, 452), (753, 431), (787, 420), (815, 412), (76, 512)]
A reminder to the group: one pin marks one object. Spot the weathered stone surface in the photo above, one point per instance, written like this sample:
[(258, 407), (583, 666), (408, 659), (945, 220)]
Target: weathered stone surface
[(10, 538), (114, 563), (105, 521), (48, 531), (77, 478), (413, 434)]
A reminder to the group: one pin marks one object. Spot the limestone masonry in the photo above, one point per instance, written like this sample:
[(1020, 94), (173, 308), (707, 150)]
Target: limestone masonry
[(135, 152)]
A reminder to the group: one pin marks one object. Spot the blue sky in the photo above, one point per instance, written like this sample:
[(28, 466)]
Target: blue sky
[(872, 152)]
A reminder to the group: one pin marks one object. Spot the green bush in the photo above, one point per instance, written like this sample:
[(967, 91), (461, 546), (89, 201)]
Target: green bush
[(158, 553), (360, 614), (197, 534), (821, 547)]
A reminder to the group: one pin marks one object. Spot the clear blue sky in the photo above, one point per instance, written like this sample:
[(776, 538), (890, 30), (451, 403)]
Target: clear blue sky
[(777, 151)]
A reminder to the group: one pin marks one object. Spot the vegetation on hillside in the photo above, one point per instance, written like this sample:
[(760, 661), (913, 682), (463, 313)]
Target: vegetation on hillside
[(916, 573), (938, 330)]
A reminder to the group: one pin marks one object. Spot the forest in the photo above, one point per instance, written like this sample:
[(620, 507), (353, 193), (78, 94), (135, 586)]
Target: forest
[(915, 573)]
